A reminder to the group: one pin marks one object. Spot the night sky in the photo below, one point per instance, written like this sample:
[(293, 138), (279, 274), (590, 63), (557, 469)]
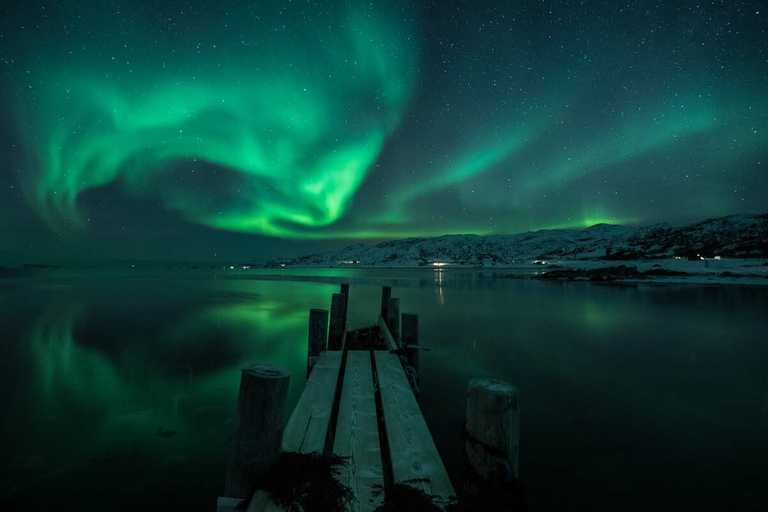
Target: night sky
[(212, 131)]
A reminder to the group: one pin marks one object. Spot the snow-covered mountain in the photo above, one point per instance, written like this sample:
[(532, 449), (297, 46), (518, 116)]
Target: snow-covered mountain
[(732, 236)]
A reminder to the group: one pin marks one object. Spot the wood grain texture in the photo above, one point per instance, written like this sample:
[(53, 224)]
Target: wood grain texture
[(493, 418), (344, 290), (386, 293), (224, 504), (308, 424), (318, 336), (338, 321), (388, 339), (413, 451), (357, 434), (393, 317), (260, 413), (409, 328), (261, 503)]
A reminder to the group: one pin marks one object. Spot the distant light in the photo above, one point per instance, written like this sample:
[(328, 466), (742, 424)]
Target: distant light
[(438, 263), (718, 258), (282, 264), (231, 268)]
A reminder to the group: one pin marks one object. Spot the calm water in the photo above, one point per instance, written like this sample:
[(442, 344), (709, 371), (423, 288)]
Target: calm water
[(634, 397)]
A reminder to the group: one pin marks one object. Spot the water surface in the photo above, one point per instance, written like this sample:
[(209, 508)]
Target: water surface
[(117, 390)]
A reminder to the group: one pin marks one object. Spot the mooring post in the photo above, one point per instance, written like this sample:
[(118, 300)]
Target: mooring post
[(318, 336), (386, 293), (344, 290), (493, 430), (393, 317), (259, 429), (409, 325), (336, 328)]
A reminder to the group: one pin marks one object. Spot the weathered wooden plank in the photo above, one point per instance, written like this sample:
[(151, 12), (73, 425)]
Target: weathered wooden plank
[(413, 452), (357, 434), (308, 424), (225, 504), (388, 339), (261, 503)]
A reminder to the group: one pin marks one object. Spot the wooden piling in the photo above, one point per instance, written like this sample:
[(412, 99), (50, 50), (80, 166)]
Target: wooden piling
[(336, 328), (386, 293), (259, 430), (393, 317), (493, 430), (410, 333), (318, 336), (344, 290)]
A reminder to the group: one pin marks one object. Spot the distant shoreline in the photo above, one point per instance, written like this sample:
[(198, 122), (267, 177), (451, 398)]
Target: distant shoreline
[(727, 272)]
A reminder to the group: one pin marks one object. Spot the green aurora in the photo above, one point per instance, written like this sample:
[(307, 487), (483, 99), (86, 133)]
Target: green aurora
[(291, 121), (354, 120)]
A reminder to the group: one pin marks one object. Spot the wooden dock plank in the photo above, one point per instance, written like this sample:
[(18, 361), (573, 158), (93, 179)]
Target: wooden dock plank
[(413, 452), (261, 503), (388, 339), (357, 434), (308, 425)]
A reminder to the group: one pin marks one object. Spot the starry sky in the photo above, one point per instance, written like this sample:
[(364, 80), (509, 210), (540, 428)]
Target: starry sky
[(211, 131)]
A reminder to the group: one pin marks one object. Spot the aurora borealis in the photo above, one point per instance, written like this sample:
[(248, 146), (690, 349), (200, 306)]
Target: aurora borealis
[(135, 128)]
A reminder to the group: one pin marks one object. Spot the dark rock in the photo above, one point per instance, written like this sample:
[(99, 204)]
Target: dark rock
[(617, 273)]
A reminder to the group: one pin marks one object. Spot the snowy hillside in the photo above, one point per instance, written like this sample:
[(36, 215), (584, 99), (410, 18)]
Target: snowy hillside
[(732, 236)]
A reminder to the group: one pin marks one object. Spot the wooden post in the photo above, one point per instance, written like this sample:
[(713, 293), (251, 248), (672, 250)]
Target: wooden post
[(410, 332), (259, 430), (344, 290), (318, 336), (386, 293), (336, 328), (393, 317), (224, 504), (493, 427)]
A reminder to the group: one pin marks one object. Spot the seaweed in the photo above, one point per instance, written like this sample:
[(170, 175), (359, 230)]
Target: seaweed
[(305, 482), (365, 338), (405, 498)]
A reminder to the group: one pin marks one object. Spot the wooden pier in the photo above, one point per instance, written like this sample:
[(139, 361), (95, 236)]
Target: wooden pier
[(359, 403)]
